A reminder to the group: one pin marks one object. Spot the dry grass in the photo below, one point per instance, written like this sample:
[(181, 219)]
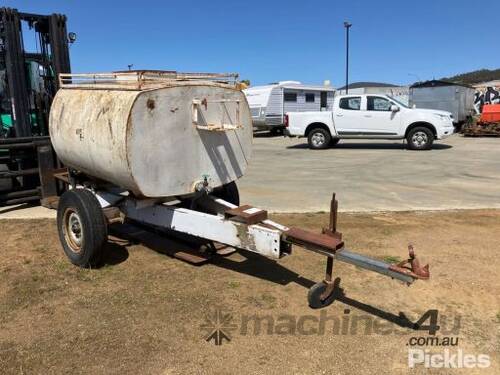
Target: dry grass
[(141, 312)]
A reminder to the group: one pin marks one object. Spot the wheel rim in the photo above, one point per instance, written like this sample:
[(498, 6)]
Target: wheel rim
[(419, 139), (73, 230), (318, 139)]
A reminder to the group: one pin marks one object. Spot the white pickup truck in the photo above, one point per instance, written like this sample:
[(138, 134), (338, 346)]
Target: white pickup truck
[(370, 117)]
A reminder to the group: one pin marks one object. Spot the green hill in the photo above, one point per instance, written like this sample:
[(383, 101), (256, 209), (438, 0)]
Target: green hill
[(476, 76)]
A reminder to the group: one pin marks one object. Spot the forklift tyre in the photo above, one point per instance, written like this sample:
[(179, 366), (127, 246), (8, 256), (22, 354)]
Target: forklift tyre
[(314, 296), (82, 227)]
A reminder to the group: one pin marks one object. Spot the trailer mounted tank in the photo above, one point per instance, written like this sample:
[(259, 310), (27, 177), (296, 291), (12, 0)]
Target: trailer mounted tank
[(158, 148)]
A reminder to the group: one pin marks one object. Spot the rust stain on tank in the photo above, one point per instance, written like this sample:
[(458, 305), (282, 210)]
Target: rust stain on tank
[(110, 127), (102, 111), (150, 104)]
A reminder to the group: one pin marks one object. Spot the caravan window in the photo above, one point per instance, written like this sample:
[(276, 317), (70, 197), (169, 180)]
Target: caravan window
[(290, 96), (255, 111), (310, 98)]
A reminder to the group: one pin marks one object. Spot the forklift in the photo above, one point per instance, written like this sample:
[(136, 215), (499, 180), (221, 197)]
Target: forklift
[(28, 83)]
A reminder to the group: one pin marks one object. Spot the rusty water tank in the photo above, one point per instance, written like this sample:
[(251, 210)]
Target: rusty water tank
[(156, 135)]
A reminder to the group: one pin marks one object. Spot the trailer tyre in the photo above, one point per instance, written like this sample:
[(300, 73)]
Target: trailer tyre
[(229, 192), (82, 227), (420, 138), (314, 296), (319, 139), (276, 130)]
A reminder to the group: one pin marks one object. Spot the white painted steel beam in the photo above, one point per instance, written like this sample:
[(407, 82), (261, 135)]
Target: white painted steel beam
[(255, 238)]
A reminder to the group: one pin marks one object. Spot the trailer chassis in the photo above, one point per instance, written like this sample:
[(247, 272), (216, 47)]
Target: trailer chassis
[(219, 221)]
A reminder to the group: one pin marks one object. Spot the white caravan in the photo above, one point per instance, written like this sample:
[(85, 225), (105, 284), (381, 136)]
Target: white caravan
[(268, 104)]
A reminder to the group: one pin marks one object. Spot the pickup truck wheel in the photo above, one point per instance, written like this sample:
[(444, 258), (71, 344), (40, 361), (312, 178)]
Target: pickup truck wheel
[(319, 139), (420, 138)]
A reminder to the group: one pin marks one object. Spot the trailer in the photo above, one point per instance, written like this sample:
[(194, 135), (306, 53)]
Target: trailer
[(446, 96), (164, 149)]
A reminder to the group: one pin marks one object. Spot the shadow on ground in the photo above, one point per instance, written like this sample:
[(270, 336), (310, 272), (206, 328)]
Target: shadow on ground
[(266, 134), (373, 146), (259, 267), (114, 253), (269, 270), (4, 210)]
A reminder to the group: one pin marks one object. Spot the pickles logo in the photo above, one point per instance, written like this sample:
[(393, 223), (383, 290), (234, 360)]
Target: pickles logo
[(218, 327), (447, 359)]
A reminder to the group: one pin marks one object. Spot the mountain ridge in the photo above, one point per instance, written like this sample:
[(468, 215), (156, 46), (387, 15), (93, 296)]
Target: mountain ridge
[(475, 76)]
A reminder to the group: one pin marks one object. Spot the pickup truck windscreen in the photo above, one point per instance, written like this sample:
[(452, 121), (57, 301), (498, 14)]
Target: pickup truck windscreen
[(398, 102)]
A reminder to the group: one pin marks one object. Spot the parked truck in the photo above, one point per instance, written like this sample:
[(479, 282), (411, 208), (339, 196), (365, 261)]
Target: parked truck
[(370, 117)]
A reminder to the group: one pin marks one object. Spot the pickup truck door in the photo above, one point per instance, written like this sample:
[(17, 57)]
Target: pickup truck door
[(377, 118), (346, 116)]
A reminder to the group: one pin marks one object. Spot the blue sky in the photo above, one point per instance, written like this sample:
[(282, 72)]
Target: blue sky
[(265, 41)]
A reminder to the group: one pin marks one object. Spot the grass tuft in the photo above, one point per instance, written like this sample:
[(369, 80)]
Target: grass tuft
[(392, 259)]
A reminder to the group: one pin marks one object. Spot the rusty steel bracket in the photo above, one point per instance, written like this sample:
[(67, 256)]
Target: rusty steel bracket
[(330, 286), (246, 214), (331, 231), (329, 243), (332, 228), (411, 266)]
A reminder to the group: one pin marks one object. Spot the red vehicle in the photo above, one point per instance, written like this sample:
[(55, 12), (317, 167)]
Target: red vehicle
[(491, 113)]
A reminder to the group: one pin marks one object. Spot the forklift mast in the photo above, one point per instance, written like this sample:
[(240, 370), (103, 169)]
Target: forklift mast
[(28, 83)]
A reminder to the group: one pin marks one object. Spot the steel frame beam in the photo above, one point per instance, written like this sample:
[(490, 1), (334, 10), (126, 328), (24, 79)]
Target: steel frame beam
[(256, 238)]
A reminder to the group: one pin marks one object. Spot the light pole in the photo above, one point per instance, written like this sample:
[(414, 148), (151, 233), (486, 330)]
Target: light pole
[(347, 26)]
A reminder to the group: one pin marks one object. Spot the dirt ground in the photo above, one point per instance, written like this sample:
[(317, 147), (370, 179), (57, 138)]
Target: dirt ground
[(145, 312)]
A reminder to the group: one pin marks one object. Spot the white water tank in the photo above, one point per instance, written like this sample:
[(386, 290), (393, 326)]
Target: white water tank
[(154, 135)]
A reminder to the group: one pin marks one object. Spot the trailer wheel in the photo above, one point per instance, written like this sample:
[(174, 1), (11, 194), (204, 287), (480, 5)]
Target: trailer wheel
[(276, 130), (82, 227), (314, 296), (420, 138), (319, 138), (229, 192)]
